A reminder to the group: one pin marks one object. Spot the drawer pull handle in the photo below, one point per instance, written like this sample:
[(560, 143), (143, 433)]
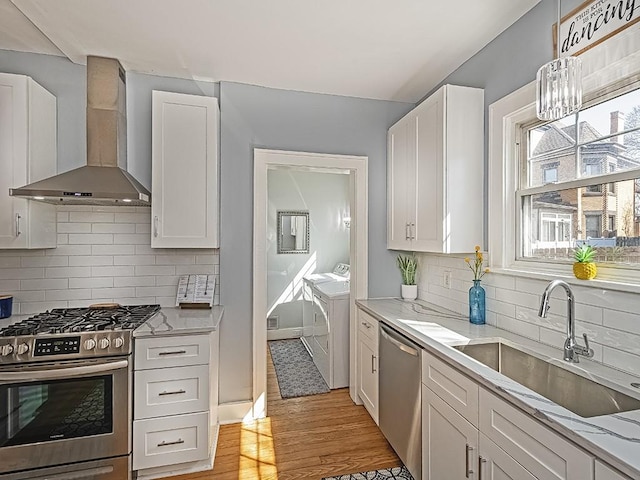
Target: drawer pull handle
[(176, 352), (481, 462), (177, 392), (366, 324), (166, 444), (467, 470)]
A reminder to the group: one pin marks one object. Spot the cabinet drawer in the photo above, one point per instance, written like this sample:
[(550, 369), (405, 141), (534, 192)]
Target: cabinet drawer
[(171, 391), (531, 444), (171, 351), (170, 440), (460, 392), (605, 472), (368, 325)]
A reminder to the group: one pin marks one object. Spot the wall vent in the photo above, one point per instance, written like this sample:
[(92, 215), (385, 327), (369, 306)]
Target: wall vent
[(272, 322)]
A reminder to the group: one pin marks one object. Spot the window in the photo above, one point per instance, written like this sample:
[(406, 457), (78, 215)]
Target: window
[(550, 174), (514, 133), (580, 181), (593, 223)]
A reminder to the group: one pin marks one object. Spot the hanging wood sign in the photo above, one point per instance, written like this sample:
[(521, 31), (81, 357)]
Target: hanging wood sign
[(592, 23)]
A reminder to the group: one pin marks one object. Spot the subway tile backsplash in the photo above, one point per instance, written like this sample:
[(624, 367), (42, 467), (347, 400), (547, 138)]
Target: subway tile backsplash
[(609, 318), (103, 255)]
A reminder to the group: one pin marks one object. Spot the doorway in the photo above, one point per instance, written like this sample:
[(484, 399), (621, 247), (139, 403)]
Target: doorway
[(356, 168)]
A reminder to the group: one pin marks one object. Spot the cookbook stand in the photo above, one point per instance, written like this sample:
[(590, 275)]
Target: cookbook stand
[(196, 291)]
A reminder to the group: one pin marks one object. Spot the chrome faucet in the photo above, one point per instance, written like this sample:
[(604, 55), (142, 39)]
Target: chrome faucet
[(571, 347)]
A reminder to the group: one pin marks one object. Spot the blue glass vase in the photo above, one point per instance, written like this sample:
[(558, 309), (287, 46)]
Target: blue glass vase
[(476, 303)]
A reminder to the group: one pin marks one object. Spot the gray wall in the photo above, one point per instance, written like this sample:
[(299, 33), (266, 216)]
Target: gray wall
[(285, 120)]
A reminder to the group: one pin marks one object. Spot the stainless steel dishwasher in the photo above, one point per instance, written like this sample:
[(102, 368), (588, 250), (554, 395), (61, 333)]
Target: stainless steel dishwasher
[(399, 396)]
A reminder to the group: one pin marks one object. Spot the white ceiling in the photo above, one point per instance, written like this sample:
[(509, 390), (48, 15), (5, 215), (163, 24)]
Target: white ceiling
[(383, 49)]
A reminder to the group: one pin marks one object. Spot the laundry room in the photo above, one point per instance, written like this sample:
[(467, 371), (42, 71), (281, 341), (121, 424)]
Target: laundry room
[(308, 227), (323, 198)]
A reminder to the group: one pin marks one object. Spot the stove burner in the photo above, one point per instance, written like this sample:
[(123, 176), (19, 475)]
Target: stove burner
[(68, 320)]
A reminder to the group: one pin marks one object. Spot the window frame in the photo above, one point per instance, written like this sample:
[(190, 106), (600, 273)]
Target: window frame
[(601, 66)]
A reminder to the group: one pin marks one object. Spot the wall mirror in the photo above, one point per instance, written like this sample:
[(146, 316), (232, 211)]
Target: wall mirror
[(293, 232)]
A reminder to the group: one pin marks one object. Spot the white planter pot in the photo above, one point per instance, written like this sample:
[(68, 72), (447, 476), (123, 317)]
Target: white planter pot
[(409, 292)]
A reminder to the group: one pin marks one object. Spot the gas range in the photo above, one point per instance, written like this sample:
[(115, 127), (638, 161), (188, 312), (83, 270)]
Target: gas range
[(73, 333)]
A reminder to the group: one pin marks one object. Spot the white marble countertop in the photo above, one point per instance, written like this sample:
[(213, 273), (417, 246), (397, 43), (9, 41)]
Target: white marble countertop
[(177, 321), (613, 438)]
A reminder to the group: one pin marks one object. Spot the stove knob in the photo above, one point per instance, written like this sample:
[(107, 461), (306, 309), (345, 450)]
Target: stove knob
[(118, 342), (103, 343), (90, 344), (6, 350), (23, 348)]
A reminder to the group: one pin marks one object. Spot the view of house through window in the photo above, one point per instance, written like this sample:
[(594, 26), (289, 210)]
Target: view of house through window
[(581, 183)]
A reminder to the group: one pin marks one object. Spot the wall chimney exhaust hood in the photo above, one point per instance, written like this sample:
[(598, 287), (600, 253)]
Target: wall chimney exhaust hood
[(104, 180)]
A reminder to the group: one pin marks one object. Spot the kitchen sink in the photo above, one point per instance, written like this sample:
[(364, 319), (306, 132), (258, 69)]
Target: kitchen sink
[(578, 394)]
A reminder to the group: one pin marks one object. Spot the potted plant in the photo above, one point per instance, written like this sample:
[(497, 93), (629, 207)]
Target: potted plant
[(584, 267), (408, 267)]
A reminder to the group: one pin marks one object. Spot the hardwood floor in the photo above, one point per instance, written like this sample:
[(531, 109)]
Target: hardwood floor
[(301, 438)]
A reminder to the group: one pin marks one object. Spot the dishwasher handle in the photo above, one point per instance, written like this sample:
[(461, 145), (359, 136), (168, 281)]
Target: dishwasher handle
[(389, 336)]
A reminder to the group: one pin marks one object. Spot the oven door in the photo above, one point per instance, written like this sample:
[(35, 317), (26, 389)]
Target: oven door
[(63, 412)]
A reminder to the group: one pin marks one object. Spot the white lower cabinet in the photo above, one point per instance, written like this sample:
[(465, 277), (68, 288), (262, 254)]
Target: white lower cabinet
[(495, 464), (367, 367), (175, 402), (538, 449), (449, 442), (170, 440), (505, 444)]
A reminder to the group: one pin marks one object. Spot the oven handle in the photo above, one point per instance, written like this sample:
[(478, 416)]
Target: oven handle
[(62, 372), (78, 474)]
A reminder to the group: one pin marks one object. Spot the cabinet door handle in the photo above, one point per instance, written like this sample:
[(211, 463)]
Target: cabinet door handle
[(407, 233), (481, 462), (412, 229), (175, 352), (155, 226), (166, 444), (176, 392), (467, 452), (18, 217), (373, 364)]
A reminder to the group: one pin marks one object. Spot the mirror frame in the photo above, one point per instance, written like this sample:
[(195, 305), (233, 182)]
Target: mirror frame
[(282, 213)]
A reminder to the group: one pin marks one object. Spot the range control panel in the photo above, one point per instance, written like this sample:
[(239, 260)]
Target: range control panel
[(342, 269), (56, 346)]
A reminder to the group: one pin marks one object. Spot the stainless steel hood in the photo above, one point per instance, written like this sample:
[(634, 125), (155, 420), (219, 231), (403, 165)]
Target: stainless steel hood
[(104, 180)]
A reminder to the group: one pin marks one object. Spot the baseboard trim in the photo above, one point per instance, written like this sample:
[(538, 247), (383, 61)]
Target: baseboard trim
[(284, 333), (235, 412)]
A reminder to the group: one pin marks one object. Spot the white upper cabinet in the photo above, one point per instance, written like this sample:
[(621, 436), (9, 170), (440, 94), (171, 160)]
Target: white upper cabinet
[(185, 152), (435, 171), (27, 154)]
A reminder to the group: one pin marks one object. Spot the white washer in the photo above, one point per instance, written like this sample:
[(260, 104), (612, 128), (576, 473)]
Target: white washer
[(327, 327), (341, 273)]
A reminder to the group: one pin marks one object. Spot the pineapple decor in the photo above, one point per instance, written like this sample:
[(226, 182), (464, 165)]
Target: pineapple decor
[(584, 267)]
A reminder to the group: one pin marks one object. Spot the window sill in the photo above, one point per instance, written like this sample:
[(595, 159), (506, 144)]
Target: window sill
[(606, 280)]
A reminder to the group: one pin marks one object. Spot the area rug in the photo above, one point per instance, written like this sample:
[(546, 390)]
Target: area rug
[(383, 474), (297, 375)]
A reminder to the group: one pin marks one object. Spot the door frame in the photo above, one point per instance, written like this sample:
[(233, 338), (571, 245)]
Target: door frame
[(357, 167)]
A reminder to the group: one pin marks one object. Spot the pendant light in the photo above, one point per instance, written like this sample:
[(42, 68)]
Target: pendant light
[(559, 84)]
